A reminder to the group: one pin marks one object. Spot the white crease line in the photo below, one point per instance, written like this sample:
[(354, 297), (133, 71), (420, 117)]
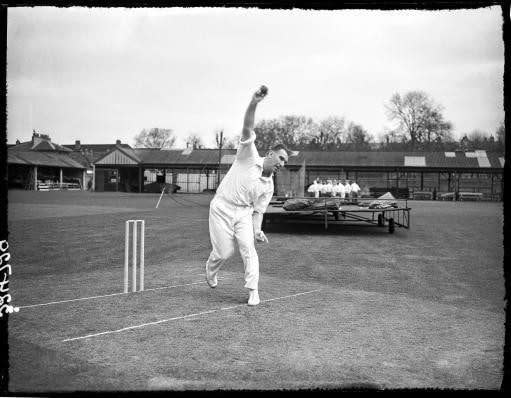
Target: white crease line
[(181, 317), (111, 295)]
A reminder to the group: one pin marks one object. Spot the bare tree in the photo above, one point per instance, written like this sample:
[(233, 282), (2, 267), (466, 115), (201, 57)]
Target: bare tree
[(155, 138), (224, 142), (194, 141), (330, 134), (500, 133), (291, 130), (296, 131), (392, 140), (419, 118), (478, 136), (232, 143), (357, 138), (267, 132)]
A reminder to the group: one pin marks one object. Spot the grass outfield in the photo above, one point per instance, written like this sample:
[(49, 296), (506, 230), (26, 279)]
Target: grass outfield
[(353, 306)]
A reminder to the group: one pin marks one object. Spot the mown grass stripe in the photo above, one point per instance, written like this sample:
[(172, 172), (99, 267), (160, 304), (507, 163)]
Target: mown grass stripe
[(179, 317)]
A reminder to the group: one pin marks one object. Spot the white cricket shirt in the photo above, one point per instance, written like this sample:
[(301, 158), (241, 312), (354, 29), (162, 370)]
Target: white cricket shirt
[(355, 188), (244, 184), (340, 189), (314, 187)]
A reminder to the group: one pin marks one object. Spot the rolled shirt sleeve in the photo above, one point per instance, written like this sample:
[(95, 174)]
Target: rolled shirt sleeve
[(246, 148)]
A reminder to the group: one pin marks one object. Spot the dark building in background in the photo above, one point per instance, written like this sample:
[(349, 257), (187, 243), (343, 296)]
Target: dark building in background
[(118, 167)]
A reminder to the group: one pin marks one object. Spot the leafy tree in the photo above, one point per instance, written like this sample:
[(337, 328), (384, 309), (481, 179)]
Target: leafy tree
[(419, 118), (194, 141), (155, 138)]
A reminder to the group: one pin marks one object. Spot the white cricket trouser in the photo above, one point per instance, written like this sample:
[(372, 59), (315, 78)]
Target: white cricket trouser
[(230, 224)]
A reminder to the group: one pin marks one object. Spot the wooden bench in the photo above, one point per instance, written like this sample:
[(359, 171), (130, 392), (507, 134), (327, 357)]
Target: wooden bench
[(446, 196), (470, 196), (423, 195)]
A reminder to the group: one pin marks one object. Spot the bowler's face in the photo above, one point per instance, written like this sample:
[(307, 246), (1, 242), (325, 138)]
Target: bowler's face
[(275, 160)]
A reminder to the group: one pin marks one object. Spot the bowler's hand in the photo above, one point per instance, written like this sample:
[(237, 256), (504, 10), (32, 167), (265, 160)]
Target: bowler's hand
[(261, 237), (260, 94)]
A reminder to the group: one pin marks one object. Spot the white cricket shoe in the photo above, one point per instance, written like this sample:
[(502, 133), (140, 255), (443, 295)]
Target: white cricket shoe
[(253, 297), (211, 280)]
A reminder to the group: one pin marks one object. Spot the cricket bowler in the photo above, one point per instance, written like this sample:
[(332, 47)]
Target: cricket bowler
[(236, 211)]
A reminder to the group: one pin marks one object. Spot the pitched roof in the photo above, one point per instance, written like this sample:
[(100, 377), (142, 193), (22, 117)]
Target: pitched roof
[(119, 154), (39, 145), (368, 159), (176, 156), (93, 152), (40, 151), (39, 158), (394, 159), (80, 158), (328, 159)]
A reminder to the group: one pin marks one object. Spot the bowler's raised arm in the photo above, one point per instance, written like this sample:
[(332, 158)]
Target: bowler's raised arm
[(248, 122)]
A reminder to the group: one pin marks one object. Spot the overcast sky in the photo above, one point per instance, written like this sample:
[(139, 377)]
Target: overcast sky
[(98, 75)]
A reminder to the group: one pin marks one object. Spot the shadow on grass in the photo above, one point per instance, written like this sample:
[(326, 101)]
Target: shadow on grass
[(333, 229), (57, 371)]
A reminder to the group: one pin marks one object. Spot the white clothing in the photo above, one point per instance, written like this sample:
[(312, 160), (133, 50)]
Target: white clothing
[(328, 188), (244, 185), (347, 188), (334, 190), (341, 190), (355, 188), (323, 188), (314, 188), (230, 224), (242, 192), (319, 190)]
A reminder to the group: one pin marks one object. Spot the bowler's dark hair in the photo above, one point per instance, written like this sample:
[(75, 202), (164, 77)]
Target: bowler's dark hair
[(278, 147)]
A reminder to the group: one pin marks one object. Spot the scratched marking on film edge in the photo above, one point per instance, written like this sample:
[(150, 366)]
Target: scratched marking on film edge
[(5, 272)]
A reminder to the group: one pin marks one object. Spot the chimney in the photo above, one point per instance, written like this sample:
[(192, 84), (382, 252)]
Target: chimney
[(78, 146), (118, 142), (36, 139)]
